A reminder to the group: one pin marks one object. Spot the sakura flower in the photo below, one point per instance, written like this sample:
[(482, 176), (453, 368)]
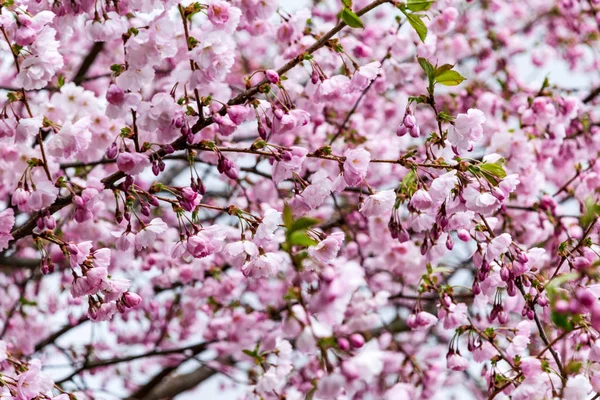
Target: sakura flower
[(113, 27), (148, 234), (467, 129), (3, 355), (440, 188), (29, 27), (290, 162), (421, 200), (43, 196), (497, 246), (33, 382), (379, 204), (135, 78), (125, 240), (577, 387), (223, 16), (421, 321), (78, 253), (160, 116), (239, 251), (454, 316), (7, 220), (238, 114), (520, 340), (332, 89), (270, 222), (131, 300), (480, 202), (484, 352), (369, 361), (132, 163), (364, 75), (206, 242), (264, 266), (71, 139), (317, 192), (456, 362), (27, 128), (356, 165), (103, 313), (214, 58), (422, 222), (39, 68), (327, 249)]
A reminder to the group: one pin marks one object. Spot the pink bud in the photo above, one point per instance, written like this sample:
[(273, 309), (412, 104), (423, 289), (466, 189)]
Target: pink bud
[(115, 95), (343, 344), (357, 340), (131, 299), (463, 235), (272, 76), (112, 151), (401, 131)]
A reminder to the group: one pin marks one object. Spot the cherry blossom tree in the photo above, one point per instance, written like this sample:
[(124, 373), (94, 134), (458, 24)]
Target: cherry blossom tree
[(368, 199)]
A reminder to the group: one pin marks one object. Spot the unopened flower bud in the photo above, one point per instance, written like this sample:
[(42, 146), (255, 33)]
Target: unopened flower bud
[(272, 76), (357, 340)]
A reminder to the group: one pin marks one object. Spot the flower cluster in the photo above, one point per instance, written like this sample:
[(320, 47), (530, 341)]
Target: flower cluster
[(367, 199)]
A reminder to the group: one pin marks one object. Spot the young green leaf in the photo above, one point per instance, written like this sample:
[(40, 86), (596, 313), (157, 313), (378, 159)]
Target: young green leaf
[(443, 68), (288, 219), (427, 67), (449, 78), (493, 169), (415, 21), (351, 19), (347, 3), (301, 238), (303, 223), (419, 5)]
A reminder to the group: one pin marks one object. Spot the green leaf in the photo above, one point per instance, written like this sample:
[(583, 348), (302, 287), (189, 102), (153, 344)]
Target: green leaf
[(592, 211), (303, 223), (561, 321), (573, 367), (301, 238), (415, 21), (427, 67), (417, 99), (351, 19), (250, 353), (288, 219), (347, 3), (25, 302), (443, 68), (444, 116), (449, 78), (493, 169), (419, 5), (441, 270), (551, 287)]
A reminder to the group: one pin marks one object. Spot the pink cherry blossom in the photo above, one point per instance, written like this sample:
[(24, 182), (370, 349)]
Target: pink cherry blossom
[(132, 163), (299, 199), (467, 129), (356, 165)]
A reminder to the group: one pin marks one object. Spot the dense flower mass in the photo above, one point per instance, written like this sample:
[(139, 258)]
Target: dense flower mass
[(335, 199)]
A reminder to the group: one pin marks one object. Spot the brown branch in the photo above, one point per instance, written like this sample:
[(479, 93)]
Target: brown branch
[(87, 63), (52, 338), (195, 349), (169, 388)]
